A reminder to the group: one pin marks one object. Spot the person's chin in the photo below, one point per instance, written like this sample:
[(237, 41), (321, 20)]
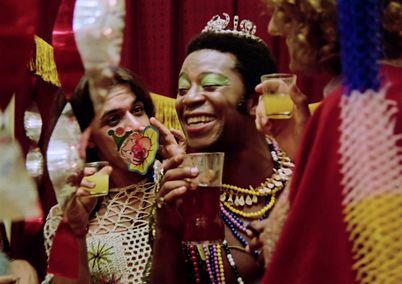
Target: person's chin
[(203, 143)]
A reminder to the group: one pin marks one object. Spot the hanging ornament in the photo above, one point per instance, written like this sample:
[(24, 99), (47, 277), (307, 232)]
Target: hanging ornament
[(65, 171), (63, 160), (19, 198), (98, 28), (67, 58), (33, 128)]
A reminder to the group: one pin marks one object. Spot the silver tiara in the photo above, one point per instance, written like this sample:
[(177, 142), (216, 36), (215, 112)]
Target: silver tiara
[(219, 25)]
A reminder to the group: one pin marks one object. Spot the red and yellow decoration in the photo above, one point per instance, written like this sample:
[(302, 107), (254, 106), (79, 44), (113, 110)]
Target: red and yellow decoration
[(137, 149)]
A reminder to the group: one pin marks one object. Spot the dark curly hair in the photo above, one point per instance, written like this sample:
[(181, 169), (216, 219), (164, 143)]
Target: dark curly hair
[(253, 57), (82, 104)]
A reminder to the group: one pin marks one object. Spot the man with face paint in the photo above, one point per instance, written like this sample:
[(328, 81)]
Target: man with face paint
[(113, 230), (215, 104)]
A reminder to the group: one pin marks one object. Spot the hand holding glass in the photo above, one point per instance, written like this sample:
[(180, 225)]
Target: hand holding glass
[(276, 96), (100, 178), (202, 220)]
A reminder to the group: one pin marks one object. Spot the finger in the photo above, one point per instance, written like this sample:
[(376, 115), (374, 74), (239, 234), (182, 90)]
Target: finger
[(86, 184), (106, 170), (164, 134), (273, 86), (175, 193), (259, 88), (172, 162), (178, 177), (179, 135), (8, 279), (89, 171), (254, 245), (82, 191), (301, 102)]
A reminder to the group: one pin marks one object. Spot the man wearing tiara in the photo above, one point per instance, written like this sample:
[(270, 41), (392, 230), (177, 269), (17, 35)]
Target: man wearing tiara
[(216, 103)]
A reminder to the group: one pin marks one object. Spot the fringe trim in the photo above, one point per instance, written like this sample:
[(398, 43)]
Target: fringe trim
[(44, 64), (165, 111)]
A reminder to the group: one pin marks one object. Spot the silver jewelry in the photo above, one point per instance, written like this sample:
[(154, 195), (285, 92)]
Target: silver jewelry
[(220, 25)]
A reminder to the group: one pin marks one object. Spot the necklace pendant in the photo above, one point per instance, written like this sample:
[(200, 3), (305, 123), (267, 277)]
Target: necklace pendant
[(236, 201), (277, 177), (241, 200), (287, 171), (277, 183), (266, 190), (230, 199), (223, 197), (255, 199), (249, 200)]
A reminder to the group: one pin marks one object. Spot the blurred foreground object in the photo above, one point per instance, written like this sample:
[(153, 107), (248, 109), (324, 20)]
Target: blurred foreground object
[(98, 29)]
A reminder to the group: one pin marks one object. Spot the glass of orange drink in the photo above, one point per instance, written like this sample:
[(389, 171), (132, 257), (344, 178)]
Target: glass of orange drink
[(276, 96), (100, 178)]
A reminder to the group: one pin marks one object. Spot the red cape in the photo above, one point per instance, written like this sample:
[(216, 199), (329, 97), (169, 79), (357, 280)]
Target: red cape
[(313, 246)]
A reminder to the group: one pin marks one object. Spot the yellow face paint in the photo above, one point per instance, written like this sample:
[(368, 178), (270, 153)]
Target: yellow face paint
[(214, 80), (184, 82)]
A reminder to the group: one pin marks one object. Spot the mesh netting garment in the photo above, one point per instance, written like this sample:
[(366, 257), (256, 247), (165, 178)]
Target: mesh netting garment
[(117, 240), (372, 185)]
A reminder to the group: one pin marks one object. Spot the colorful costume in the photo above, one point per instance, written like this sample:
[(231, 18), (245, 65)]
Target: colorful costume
[(117, 240), (340, 226)]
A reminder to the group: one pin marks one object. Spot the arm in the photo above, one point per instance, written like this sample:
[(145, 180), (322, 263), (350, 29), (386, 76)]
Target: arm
[(168, 261), (76, 214)]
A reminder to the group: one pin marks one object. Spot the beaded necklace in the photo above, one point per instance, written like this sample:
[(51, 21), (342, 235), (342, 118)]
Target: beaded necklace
[(205, 260)]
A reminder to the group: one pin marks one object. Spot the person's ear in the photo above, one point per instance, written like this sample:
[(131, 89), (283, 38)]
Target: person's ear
[(252, 102)]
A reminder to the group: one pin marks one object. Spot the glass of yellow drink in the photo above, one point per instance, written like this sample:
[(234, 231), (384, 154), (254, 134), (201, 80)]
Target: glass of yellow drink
[(276, 96), (100, 178)]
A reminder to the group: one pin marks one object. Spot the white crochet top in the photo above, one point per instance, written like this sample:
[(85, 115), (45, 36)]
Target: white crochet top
[(117, 240)]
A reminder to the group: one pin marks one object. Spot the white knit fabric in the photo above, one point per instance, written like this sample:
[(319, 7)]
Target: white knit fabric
[(117, 240), (372, 185)]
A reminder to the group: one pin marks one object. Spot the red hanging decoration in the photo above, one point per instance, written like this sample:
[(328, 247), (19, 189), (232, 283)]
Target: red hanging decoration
[(18, 24), (68, 60)]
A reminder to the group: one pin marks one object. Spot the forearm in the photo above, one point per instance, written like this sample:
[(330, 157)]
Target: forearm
[(168, 261), (84, 275)]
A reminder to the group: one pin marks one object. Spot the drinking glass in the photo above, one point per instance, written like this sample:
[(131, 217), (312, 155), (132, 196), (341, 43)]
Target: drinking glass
[(202, 220), (100, 178), (276, 95)]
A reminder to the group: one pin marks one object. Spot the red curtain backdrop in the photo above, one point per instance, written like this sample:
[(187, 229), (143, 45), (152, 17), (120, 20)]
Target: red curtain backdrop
[(156, 35), (157, 32)]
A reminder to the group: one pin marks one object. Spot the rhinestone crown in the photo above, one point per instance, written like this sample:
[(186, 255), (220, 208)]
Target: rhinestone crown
[(220, 25)]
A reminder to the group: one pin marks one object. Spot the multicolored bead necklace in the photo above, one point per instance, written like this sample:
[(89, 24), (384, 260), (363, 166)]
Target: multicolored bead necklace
[(205, 261)]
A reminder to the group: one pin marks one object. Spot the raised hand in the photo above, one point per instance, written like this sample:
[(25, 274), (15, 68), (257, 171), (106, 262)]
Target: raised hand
[(81, 204), (173, 186), (172, 142), (287, 132)]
